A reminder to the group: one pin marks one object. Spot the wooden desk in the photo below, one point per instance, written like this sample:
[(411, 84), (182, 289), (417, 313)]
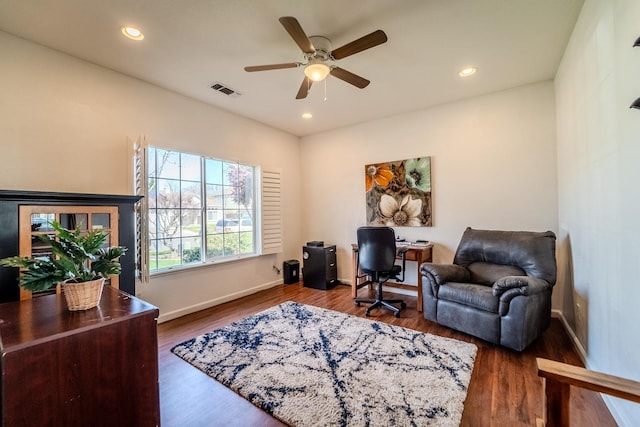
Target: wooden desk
[(419, 254), (97, 367)]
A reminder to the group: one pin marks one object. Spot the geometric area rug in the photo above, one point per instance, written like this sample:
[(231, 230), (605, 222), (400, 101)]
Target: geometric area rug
[(309, 366)]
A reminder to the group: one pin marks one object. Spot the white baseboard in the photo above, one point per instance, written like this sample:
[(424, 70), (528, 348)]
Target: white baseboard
[(612, 405), (572, 335), (609, 401), (216, 301)]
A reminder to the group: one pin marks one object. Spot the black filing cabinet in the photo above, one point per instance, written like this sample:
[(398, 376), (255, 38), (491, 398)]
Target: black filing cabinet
[(319, 268)]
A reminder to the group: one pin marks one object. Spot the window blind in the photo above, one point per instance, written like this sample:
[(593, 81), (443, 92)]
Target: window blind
[(271, 211)]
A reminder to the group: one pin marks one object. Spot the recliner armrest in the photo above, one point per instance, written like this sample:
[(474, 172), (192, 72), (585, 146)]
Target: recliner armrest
[(510, 287), (525, 285), (443, 273)]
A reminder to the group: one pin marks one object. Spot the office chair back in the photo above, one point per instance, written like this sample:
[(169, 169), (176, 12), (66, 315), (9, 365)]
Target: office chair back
[(376, 249)]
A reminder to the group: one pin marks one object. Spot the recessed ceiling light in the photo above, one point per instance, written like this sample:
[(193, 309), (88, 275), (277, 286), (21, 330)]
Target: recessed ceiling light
[(132, 32), (307, 115), (468, 71)]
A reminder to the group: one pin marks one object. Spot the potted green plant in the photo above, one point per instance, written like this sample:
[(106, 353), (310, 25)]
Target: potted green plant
[(79, 262)]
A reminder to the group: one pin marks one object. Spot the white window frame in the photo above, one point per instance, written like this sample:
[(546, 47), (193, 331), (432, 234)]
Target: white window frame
[(204, 215)]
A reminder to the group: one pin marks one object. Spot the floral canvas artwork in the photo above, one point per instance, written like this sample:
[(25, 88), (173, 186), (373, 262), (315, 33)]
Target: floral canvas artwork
[(398, 194)]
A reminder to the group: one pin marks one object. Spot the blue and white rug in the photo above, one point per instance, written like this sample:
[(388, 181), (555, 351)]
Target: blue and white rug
[(308, 366)]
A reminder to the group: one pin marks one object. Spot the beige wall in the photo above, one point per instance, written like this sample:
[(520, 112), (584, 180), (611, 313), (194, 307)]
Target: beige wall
[(598, 174), (493, 166), (64, 125)]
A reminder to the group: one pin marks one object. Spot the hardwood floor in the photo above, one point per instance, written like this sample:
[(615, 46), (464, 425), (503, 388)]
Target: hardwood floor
[(504, 391)]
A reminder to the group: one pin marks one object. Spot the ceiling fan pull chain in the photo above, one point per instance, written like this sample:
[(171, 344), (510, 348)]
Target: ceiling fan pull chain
[(325, 90)]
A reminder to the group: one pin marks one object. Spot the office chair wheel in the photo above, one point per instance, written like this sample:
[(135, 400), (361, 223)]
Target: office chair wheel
[(397, 314), (356, 303), (403, 306)]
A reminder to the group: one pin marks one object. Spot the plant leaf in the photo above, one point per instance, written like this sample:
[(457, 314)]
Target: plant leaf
[(77, 256)]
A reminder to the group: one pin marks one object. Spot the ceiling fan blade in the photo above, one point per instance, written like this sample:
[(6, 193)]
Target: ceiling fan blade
[(304, 88), (363, 43), (296, 32), (272, 66), (349, 77)]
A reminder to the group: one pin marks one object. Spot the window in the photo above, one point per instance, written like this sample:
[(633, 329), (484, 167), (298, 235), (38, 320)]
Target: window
[(199, 209)]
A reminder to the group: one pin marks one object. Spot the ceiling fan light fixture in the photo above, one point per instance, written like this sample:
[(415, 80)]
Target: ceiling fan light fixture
[(317, 52), (316, 70)]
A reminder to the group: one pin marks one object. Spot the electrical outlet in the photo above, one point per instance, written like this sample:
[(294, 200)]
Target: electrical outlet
[(579, 317), (581, 323)]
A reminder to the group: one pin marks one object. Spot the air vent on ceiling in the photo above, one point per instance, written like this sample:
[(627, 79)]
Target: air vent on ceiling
[(225, 89)]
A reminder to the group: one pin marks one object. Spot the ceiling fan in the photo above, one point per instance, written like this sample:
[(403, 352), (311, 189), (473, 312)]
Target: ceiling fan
[(317, 52)]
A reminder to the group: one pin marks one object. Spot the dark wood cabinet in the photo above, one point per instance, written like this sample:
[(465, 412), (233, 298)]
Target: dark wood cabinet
[(97, 367), (17, 212)]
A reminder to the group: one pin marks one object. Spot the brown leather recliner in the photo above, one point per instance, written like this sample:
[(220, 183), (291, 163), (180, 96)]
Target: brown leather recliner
[(498, 287)]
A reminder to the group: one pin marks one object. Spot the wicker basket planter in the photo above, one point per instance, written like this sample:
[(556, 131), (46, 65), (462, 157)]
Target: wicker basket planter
[(84, 295)]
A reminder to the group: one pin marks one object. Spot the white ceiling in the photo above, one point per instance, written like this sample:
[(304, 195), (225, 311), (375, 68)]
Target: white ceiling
[(191, 44)]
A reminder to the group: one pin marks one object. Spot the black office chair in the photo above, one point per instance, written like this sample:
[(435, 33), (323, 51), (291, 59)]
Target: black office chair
[(376, 262)]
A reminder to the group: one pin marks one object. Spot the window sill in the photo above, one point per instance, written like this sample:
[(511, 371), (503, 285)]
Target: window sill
[(194, 266)]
